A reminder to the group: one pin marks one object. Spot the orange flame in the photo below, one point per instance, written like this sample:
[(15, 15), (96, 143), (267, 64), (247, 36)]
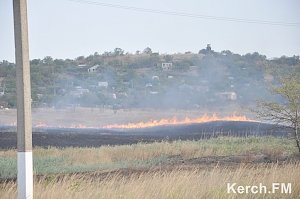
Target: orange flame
[(153, 123), (175, 121), (40, 125)]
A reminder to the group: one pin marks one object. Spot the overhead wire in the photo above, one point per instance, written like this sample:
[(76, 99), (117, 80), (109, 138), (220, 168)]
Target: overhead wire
[(190, 15)]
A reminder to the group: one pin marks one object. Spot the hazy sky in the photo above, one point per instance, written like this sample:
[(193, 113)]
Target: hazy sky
[(66, 29)]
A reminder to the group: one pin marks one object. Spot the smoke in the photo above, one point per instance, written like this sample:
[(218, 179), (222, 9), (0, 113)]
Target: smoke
[(212, 80), (164, 85)]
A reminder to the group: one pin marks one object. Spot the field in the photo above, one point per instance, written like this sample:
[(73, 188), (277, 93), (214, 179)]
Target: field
[(177, 169), (161, 162)]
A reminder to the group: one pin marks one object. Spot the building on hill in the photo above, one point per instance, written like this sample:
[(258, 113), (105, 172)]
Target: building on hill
[(155, 78), (4, 105), (93, 69), (228, 95), (2, 90), (166, 66), (79, 91), (208, 48), (103, 84)]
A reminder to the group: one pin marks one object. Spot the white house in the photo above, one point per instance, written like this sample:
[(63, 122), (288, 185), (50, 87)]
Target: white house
[(155, 78), (2, 92), (228, 95), (103, 84), (93, 69), (148, 85), (166, 66), (79, 91)]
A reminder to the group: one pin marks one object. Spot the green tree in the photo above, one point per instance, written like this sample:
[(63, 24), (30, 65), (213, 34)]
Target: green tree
[(48, 60), (286, 113), (168, 58), (147, 51), (118, 52)]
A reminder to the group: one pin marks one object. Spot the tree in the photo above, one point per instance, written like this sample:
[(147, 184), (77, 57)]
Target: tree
[(35, 62), (118, 52), (147, 51), (168, 58), (107, 54), (286, 113), (48, 60)]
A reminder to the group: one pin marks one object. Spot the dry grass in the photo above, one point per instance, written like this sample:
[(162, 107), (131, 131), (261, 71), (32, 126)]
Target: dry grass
[(222, 146), (177, 183), (186, 149), (163, 180)]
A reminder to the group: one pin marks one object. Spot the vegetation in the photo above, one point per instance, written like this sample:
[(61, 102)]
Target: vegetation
[(109, 158), (138, 80), (178, 169), (287, 112), (177, 183)]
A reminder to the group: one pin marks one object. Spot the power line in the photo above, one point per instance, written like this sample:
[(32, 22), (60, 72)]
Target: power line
[(190, 15)]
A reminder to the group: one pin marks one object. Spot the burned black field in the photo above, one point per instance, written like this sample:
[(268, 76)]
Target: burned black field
[(92, 137)]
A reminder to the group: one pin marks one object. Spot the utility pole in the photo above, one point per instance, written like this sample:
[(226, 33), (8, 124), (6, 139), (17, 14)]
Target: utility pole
[(24, 126)]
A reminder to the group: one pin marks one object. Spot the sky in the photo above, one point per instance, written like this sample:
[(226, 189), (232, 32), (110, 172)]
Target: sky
[(68, 29)]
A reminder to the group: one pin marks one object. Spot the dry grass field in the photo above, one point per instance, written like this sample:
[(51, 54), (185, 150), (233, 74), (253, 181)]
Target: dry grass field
[(177, 183), (178, 169)]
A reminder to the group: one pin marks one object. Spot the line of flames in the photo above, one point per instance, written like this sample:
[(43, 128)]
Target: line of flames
[(153, 123), (175, 121)]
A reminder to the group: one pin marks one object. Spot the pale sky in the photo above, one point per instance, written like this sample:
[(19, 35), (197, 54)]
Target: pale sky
[(66, 29)]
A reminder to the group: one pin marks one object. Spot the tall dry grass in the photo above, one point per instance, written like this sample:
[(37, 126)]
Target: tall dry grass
[(141, 156), (177, 183), (186, 149), (221, 146)]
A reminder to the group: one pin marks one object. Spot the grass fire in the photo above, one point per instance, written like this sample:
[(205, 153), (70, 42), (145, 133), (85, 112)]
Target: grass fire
[(175, 121), (173, 115)]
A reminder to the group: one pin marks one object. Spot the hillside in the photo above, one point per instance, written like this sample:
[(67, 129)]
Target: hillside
[(146, 79)]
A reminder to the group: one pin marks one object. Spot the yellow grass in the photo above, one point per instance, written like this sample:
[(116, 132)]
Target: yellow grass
[(177, 183), (221, 146)]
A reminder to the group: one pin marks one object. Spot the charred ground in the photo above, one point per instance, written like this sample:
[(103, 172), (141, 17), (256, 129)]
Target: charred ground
[(93, 137)]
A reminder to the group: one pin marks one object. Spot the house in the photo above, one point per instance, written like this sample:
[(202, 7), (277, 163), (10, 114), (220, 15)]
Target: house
[(2, 90), (166, 66), (227, 95), (153, 92), (93, 69), (3, 105), (103, 84), (155, 78), (39, 96), (79, 91), (122, 94), (148, 85)]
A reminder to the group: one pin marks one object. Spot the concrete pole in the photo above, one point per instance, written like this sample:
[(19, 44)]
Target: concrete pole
[(24, 126)]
